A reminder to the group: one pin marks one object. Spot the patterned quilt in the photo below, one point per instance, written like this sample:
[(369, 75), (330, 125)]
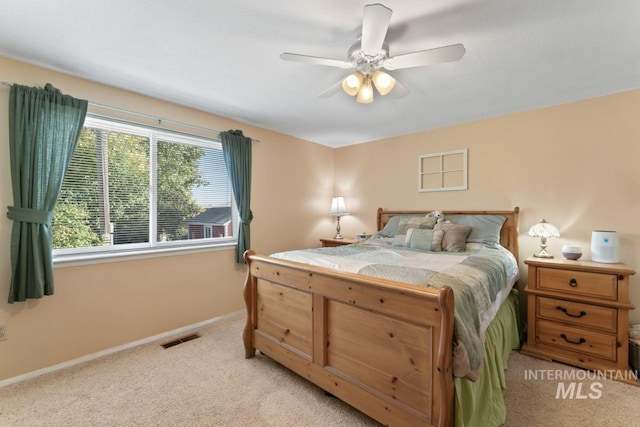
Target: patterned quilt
[(481, 279)]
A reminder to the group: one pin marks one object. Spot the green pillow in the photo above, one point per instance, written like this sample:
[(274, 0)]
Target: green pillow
[(395, 221), (484, 228), (423, 239), (416, 222)]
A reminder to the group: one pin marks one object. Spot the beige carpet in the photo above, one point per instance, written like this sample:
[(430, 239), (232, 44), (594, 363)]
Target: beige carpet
[(207, 382)]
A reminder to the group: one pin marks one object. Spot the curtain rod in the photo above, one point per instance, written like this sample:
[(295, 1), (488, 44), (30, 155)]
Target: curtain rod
[(160, 120)]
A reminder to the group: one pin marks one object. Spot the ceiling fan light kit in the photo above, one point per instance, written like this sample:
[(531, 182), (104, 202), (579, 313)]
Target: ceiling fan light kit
[(371, 53), (360, 84)]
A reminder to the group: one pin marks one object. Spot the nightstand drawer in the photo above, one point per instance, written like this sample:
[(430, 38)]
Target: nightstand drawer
[(576, 339), (593, 316), (578, 283)]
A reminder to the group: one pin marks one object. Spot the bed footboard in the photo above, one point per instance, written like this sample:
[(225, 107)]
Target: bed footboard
[(381, 346)]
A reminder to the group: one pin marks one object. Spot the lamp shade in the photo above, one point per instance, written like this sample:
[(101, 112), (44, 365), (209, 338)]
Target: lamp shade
[(365, 94), (383, 82), (351, 85), (338, 207), (543, 229)]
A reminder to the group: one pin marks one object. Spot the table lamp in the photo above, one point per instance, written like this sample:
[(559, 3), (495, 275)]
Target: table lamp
[(543, 230), (338, 209)]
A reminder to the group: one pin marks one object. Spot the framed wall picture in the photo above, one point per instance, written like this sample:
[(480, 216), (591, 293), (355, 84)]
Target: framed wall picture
[(444, 171)]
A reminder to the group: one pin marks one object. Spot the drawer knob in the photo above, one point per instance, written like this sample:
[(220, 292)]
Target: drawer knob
[(573, 283), (565, 311), (580, 341)]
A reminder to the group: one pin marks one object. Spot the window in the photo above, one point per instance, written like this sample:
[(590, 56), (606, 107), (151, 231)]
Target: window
[(444, 171), (130, 187)]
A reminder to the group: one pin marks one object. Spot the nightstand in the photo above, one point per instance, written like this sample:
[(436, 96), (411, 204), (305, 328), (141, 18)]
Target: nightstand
[(578, 313), (329, 243)]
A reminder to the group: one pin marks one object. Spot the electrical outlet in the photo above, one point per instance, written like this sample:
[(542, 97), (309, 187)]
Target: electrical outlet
[(3, 332)]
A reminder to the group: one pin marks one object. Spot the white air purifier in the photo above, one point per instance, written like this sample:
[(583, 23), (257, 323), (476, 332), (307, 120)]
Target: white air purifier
[(604, 246)]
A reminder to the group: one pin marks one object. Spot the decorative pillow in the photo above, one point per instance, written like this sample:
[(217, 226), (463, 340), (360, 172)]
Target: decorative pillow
[(423, 239), (395, 221), (416, 222), (484, 228), (426, 239), (455, 236)]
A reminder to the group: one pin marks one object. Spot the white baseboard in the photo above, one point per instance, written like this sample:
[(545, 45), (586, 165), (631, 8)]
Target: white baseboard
[(108, 351)]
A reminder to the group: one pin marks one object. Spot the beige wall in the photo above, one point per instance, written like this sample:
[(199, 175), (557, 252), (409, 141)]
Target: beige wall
[(100, 306), (577, 165)]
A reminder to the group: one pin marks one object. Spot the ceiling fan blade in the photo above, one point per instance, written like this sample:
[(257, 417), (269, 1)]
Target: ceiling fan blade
[(294, 57), (331, 90), (375, 24), (399, 91), (426, 57)]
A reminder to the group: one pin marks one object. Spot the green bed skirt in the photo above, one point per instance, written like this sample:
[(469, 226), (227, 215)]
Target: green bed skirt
[(481, 403)]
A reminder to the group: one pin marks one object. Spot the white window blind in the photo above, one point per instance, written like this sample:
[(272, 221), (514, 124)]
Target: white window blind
[(130, 187)]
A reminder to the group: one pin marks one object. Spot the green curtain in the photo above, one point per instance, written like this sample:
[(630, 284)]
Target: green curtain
[(44, 126), (237, 158)]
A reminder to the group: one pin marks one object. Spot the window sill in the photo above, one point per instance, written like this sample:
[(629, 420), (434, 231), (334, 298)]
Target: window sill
[(71, 260)]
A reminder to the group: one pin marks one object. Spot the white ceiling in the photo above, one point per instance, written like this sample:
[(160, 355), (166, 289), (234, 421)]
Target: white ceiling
[(222, 56)]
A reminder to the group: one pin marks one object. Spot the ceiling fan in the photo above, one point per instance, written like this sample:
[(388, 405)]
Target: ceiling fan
[(370, 55)]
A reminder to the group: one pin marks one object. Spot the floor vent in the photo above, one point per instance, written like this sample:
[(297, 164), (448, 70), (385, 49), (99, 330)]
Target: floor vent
[(180, 340)]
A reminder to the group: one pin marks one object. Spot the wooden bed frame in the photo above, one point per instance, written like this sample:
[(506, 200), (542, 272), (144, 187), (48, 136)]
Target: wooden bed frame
[(381, 346)]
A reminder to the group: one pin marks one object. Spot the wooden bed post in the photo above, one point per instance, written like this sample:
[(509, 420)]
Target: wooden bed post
[(249, 294), (445, 357)]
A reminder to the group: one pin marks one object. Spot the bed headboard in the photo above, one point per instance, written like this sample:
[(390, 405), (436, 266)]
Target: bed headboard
[(508, 233)]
